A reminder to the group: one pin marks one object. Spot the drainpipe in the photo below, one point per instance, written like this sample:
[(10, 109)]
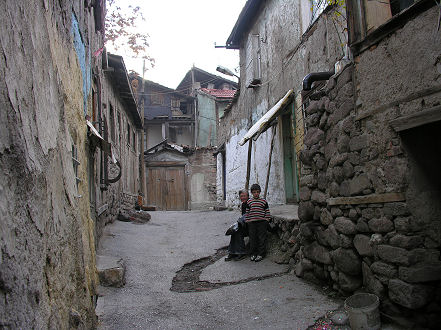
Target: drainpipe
[(316, 76)]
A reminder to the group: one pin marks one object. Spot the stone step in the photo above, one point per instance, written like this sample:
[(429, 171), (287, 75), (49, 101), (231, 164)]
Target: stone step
[(111, 271)]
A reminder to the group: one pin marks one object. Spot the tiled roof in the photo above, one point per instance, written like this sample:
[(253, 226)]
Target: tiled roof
[(220, 93)]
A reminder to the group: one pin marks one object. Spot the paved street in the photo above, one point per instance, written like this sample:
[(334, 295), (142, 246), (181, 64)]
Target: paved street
[(231, 295)]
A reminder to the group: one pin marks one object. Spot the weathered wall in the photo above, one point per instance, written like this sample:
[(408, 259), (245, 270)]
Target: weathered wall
[(390, 247), (47, 262), (202, 178), (286, 57)]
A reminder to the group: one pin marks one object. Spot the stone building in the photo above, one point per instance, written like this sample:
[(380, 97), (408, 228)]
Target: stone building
[(47, 259), (279, 43), (114, 177), (370, 191)]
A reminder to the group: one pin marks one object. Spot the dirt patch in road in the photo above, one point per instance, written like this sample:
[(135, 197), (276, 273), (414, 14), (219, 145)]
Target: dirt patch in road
[(187, 279)]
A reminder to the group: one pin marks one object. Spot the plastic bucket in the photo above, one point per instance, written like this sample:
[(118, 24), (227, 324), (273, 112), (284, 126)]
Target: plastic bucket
[(363, 313)]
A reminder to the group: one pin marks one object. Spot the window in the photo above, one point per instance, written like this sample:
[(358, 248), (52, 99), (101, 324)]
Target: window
[(175, 103), (157, 99), (183, 107), (253, 58), (75, 163), (369, 20)]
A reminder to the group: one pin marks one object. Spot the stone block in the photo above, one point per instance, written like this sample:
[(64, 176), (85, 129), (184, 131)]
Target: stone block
[(406, 242), (332, 237), (412, 296), (349, 283), (384, 269), (395, 209), (359, 183), (337, 174), (353, 214), (306, 211), (323, 121), (306, 180), (334, 189), (343, 143), (363, 246), (306, 229), (339, 159), (305, 193), (370, 282), (345, 241), (322, 181), (393, 254), (345, 226), (313, 107), (420, 273), (317, 253), (111, 271), (362, 226), (344, 189), (348, 169), (354, 158), (313, 136), (319, 197), (336, 212), (347, 261), (325, 217), (381, 225), (359, 142), (420, 255)]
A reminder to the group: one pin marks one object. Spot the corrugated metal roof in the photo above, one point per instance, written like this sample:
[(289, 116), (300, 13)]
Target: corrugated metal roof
[(220, 93)]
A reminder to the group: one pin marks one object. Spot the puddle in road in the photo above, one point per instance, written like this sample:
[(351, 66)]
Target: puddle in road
[(187, 279)]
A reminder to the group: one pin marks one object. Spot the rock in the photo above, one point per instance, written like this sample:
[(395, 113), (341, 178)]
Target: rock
[(313, 136), (393, 254), (319, 197), (368, 213), (336, 212), (362, 245), (322, 181), (325, 217), (382, 268), (306, 180), (345, 241), (358, 184), (404, 225), (377, 239), (362, 226), (381, 225), (412, 296), (140, 216), (345, 226), (337, 174), (420, 273), (306, 211), (339, 159), (302, 266), (306, 229), (353, 215), (348, 169), (406, 242), (395, 209), (343, 143), (111, 271), (331, 236), (317, 253), (424, 256), (345, 189), (372, 284), (349, 283), (359, 142), (334, 189), (347, 261), (305, 193)]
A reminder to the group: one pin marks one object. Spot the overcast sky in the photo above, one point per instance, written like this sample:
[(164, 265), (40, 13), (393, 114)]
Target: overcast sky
[(183, 33)]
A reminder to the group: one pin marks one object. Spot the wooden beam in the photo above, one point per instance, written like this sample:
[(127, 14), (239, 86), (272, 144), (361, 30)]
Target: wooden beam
[(247, 181), (414, 120), (368, 199), (164, 164), (269, 161)]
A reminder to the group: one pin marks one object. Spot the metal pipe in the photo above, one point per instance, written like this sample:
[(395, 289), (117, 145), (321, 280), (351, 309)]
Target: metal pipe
[(316, 76)]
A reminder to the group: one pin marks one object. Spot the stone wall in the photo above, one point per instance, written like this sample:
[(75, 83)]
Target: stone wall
[(360, 227), (47, 258)]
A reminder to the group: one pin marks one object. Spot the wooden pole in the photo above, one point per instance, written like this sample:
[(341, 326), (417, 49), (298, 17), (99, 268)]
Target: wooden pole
[(269, 161), (247, 182)]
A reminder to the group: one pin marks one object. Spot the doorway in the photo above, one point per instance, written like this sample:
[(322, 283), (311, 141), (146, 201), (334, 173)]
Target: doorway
[(289, 158), (166, 188)]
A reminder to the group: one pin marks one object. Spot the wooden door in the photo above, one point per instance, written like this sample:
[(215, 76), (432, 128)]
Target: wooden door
[(175, 188), (166, 188)]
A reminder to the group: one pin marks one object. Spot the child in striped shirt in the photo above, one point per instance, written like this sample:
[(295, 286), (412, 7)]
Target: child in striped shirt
[(257, 215)]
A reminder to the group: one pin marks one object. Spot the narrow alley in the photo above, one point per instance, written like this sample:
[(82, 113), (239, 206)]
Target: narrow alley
[(154, 252)]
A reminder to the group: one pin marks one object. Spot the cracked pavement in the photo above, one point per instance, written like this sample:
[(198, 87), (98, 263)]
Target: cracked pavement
[(257, 295)]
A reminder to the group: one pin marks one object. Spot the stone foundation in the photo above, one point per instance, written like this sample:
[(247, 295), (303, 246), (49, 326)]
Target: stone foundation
[(362, 226)]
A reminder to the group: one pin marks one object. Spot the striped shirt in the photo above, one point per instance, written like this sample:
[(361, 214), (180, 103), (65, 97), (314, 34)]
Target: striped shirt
[(257, 210)]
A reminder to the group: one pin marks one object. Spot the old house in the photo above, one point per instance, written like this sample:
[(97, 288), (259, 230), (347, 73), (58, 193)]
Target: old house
[(180, 137), (114, 178), (47, 259), (370, 206), (213, 94), (279, 43), (363, 110)]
